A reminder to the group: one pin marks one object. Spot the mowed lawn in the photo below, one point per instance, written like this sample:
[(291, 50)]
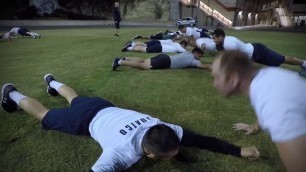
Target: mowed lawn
[(82, 58)]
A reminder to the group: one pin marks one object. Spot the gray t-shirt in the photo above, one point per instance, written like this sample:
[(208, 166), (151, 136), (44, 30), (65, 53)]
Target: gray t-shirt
[(183, 60)]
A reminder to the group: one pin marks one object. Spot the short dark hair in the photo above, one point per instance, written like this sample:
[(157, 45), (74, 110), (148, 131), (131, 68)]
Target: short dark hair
[(1, 37), (160, 139), (197, 50), (184, 42), (234, 61), (181, 27), (218, 32)]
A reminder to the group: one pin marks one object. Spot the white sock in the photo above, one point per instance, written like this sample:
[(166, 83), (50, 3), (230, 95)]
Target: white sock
[(133, 43), (16, 96), (30, 33), (304, 64), (130, 48), (119, 62), (56, 85)]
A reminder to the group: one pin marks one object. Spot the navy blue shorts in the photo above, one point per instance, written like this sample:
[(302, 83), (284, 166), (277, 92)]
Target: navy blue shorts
[(23, 32), (161, 61), (154, 49), (75, 119), (153, 42), (204, 35), (264, 55)]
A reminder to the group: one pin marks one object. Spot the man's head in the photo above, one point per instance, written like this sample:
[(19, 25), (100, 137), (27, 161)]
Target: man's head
[(116, 4), (182, 28), (218, 36), (230, 70), (161, 142), (197, 53), (183, 43)]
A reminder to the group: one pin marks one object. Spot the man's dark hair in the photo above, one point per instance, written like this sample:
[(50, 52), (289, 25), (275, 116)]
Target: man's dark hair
[(183, 42), (160, 139), (219, 32), (197, 50), (1, 37), (181, 27)]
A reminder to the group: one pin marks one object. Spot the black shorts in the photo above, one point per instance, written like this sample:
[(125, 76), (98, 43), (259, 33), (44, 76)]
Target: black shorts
[(161, 61), (203, 34), (117, 24), (157, 36), (75, 119), (23, 32), (152, 42), (154, 49), (264, 55)]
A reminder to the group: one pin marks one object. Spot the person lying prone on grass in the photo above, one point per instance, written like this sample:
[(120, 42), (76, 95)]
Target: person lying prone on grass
[(124, 135)]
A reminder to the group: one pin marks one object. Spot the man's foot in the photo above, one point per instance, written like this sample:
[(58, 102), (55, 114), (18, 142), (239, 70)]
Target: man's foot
[(6, 102), (137, 37), (127, 45), (116, 35), (48, 78), (303, 71), (115, 63)]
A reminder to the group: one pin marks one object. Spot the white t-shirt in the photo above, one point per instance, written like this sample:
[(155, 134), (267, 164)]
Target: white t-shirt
[(174, 47), (12, 32), (15, 30), (195, 32), (209, 44), (189, 31), (6, 36), (166, 41), (232, 43), (279, 99), (120, 132)]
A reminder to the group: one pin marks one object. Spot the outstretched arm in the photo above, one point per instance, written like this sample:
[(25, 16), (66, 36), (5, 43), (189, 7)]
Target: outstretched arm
[(249, 129), (191, 139), (204, 66)]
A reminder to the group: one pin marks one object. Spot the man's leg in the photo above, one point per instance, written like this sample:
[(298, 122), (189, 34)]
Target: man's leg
[(138, 59), (296, 61), (117, 25), (134, 62), (11, 98), (138, 48), (55, 87), (145, 65)]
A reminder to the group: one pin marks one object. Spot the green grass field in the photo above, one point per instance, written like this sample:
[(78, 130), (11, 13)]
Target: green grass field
[(82, 59)]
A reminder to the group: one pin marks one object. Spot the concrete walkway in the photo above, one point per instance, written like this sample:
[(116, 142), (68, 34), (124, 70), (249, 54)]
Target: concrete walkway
[(6, 24)]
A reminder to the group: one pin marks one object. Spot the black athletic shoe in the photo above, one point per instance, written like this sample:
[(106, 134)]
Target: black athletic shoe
[(117, 35), (124, 49), (6, 102), (115, 63), (137, 37), (48, 78)]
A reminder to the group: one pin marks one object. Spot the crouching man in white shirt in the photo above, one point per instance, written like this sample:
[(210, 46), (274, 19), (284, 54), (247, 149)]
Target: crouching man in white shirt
[(278, 98), (125, 135)]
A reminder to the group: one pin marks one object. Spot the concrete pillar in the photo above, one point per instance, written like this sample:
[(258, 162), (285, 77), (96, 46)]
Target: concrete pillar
[(174, 12), (235, 21)]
